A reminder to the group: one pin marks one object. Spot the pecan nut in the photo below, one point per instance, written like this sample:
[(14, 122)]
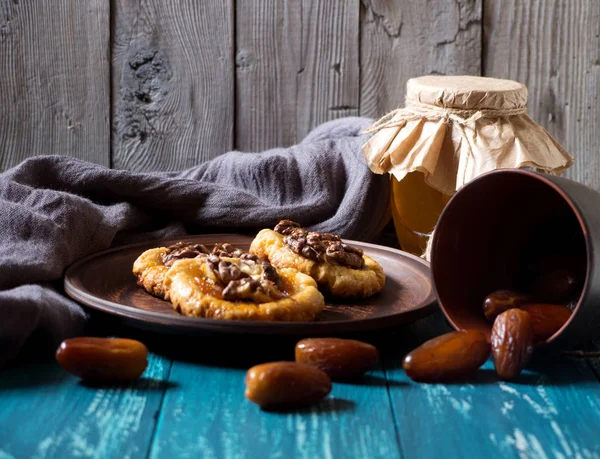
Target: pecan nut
[(286, 227), (340, 253), (227, 250), (229, 271), (182, 250), (319, 246), (240, 289)]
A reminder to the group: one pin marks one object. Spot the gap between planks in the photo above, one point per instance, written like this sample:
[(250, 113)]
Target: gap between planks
[(156, 416)]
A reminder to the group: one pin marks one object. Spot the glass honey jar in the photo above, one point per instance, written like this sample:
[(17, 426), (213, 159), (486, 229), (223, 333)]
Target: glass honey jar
[(451, 130)]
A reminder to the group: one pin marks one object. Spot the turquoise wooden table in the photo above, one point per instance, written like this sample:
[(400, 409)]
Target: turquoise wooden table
[(190, 403)]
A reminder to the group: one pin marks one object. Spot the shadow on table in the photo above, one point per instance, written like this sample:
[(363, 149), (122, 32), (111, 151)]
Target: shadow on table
[(244, 351), (38, 374), (328, 405), (49, 373), (372, 380), (231, 351), (141, 384)]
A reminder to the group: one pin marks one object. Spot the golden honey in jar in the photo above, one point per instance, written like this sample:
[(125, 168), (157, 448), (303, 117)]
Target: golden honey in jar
[(451, 130), (415, 218)]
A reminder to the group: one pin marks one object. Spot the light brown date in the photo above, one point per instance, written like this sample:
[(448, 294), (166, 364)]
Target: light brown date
[(286, 385), (547, 319), (512, 342), (502, 300), (339, 358), (103, 360), (452, 356)]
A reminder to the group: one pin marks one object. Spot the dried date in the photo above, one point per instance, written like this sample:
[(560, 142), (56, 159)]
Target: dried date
[(502, 300), (547, 319), (103, 359), (286, 385), (339, 358), (512, 342), (452, 356), (555, 286)]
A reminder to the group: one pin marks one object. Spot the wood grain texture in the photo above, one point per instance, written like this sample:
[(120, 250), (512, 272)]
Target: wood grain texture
[(328, 77), (296, 67), (268, 62), (207, 415), (402, 40), (553, 47), (173, 83), (47, 413), (551, 410), (54, 83)]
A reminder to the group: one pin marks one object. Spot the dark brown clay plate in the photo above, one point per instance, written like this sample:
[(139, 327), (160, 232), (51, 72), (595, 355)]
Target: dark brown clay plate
[(104, 281)]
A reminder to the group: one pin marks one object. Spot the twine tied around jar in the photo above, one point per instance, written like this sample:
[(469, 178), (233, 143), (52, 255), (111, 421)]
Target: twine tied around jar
[(427, 112)]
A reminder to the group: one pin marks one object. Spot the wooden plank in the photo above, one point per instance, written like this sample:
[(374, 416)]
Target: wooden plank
[(296, 67), (553, 47), (328, 77), (552, 410), (173, 83), (402, 40), (268, 61), (207, 415), (47, 413), (54, 83)]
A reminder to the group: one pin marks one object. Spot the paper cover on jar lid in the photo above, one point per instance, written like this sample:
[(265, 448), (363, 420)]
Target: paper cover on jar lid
[(455, 128)]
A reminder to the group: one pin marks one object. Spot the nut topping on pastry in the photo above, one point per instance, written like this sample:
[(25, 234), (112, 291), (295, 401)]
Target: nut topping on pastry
[(252, 289), (319, 246), (227, 283), (245, 279), (229, 272), (227, 250), (339, 269), (182, 250), (152, 265), (345, 254), (286, 227)]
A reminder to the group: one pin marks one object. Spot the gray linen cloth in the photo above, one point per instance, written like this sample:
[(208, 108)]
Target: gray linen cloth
[(56, 209)]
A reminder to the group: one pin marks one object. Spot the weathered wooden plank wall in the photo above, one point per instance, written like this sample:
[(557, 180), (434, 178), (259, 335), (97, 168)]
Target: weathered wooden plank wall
[(297, 67), (268, 62), (54, 80), (553, 46), (173, 83), (191, 80), (402, 40)]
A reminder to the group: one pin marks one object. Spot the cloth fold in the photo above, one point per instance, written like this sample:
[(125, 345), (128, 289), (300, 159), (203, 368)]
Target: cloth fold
[(57, 209)]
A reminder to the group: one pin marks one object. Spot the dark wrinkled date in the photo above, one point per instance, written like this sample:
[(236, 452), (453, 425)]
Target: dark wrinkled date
[(512, 342), (501, 300), (555, 285)]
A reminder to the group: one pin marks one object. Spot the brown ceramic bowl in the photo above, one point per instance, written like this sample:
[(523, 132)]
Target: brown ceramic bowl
[(500, 227)]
